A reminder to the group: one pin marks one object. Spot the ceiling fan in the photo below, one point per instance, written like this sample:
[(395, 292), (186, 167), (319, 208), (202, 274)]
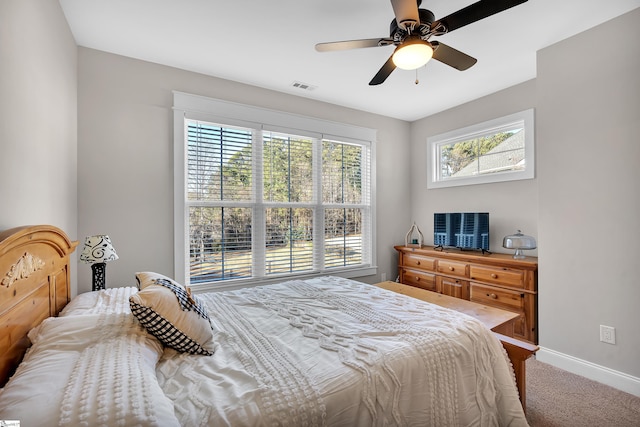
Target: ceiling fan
[(411, 31)]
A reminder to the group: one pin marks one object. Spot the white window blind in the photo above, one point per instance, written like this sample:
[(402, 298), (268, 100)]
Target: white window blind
[(262, 204)]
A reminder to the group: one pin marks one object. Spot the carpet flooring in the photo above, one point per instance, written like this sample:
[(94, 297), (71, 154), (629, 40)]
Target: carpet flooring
[(557, 398)]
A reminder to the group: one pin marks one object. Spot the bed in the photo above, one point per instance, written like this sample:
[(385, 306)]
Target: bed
[(325, 351)]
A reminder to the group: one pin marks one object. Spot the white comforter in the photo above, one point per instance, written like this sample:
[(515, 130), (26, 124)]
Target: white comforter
[(336, 352), (88, 370), (326, 351)]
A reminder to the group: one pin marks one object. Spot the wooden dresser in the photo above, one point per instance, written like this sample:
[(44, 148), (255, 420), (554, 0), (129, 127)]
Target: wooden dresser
[(496, 280)]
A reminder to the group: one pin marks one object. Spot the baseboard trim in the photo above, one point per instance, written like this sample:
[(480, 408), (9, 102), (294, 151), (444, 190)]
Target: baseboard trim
[(602, 374)]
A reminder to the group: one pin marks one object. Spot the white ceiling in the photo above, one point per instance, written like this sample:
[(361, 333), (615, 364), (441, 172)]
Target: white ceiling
[(271, 44)]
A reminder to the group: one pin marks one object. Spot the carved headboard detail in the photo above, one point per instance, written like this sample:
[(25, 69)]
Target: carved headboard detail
[(22, 269), (34, 284)]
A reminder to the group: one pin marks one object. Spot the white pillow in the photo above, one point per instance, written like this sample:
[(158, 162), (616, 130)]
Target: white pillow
[(175, 317), (111, 300)]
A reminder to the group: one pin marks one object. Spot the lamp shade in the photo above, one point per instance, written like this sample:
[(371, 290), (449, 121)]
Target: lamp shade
[(98, 249), (518, 242), (412, 54)]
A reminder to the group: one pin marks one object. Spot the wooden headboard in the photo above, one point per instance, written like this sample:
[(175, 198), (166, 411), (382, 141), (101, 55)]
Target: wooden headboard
[(34, 284)]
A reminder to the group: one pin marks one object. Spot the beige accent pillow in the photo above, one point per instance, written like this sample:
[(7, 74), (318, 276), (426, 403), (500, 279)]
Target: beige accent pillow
[(146, 278), (176, 318)]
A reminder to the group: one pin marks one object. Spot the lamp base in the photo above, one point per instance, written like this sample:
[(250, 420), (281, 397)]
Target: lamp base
[(99, 276)]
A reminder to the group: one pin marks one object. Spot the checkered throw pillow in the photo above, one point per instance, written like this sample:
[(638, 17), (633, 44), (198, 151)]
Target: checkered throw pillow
[(174, 316)]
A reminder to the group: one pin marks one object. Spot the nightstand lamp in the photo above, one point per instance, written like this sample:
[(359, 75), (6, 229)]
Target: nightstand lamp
[(519, 242), (97, 251)]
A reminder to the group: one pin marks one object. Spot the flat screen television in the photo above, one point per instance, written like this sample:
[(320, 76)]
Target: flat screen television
[(463, 230)]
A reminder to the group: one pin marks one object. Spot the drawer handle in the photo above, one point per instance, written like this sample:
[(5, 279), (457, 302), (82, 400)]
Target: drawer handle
[(417, 262), (494, 275), (494, 296), (451, 268), (417, 279)]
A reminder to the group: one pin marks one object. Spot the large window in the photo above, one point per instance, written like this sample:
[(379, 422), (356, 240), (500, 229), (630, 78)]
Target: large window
[(258, 201), (497, 150)]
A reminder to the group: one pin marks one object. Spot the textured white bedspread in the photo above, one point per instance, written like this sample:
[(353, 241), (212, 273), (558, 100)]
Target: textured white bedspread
[(88, 370), (336, 352)]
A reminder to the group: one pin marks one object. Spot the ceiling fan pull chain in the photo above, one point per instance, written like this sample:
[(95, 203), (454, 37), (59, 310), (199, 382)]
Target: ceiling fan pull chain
[(417, 81)]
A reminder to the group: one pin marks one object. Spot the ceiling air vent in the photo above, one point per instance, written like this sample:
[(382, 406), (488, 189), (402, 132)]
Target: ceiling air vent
[(303, 86)]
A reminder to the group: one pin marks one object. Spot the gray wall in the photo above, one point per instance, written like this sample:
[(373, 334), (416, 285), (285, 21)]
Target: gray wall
[(584, 204), (589, 215), (511, 205), (125, 165), (38, 112)]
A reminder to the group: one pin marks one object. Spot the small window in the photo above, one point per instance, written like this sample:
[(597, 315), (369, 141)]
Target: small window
[(492, 151)]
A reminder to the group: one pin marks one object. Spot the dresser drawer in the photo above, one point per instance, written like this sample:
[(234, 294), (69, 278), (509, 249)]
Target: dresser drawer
[(419, 279), (453, 287), (452, 268), (495, 297), (418, 261), (498, 275)]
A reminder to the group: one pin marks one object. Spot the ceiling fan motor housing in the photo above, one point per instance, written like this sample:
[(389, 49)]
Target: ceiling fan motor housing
[(426, 16), (423, 29)]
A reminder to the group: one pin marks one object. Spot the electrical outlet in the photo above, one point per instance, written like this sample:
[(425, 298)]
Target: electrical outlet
[(608, 334), (383, 277)]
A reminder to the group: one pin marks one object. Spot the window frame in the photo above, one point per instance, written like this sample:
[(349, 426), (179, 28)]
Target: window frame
[(188, 107), (490, 127)]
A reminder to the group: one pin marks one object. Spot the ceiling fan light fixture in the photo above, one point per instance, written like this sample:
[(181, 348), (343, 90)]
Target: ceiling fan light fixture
[(412, 54)]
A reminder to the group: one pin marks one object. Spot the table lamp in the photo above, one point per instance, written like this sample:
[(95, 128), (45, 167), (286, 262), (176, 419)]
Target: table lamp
[(97, 251), (519, 242)]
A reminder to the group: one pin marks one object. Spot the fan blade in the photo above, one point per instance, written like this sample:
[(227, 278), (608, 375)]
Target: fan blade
[(352, 44), (452, 57), (384, 72), (475, 12), (406, 12)]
